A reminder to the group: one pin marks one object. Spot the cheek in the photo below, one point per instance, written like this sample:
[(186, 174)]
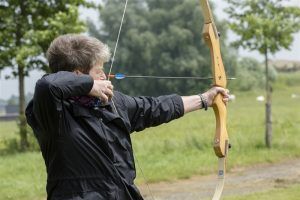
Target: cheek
[(97, 75), (93, 75)]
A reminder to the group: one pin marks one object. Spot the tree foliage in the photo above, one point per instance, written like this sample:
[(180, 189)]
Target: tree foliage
[(250, 75), (266, 26), (159, 38), (263, 25), (27, 28)]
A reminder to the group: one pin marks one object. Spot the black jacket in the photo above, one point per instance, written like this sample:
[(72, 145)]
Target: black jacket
[(87, 151)]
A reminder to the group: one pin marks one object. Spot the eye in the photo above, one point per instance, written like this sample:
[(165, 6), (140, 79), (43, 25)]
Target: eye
[(99, 69)]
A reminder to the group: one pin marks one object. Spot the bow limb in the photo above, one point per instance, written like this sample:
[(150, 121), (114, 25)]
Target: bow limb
[(221, 140)]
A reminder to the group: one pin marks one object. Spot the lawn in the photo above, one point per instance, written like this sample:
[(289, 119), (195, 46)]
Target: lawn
[(183, 147)]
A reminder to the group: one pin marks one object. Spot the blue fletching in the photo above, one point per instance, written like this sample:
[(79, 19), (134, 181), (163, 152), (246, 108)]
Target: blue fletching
[(119, 76)]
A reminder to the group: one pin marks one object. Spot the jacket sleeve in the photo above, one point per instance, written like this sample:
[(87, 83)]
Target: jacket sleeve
[(144, 112), (50, 92), (63, 85)]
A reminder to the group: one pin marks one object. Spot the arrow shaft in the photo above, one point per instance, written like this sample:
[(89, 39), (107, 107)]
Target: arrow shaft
[(169, 77), (117, 76)]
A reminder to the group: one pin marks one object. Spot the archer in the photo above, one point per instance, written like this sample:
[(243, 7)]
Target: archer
[(83, 126)]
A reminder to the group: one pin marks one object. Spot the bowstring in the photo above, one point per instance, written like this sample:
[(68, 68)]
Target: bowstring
[(108, 78), (117, 42), (115, 50)]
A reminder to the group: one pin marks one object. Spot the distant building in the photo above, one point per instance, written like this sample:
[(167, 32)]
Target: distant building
[(12, 109), (8, 112), (285, 65), (2, 109)]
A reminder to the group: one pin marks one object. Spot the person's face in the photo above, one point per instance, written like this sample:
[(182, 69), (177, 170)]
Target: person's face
[(97, 72)]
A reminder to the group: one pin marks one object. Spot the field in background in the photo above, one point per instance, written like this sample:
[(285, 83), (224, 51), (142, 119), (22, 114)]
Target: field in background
[(183, 147)]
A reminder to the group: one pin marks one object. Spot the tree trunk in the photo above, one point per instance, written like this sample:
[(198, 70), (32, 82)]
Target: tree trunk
[(23, 124), (268, 134)]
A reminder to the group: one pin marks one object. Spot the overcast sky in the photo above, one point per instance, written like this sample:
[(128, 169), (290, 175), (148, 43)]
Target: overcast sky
[(10, 87)]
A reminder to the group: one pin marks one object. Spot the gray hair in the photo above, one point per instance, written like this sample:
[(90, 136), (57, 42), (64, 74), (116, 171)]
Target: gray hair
[(76, 52)]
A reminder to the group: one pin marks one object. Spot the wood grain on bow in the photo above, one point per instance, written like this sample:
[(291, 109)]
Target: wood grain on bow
[(221, 141)]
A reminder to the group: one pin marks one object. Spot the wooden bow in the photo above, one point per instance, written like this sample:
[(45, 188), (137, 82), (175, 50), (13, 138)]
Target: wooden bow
[(221, 141)]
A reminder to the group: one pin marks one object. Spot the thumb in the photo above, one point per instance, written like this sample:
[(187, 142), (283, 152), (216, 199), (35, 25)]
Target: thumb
[(223, 91)]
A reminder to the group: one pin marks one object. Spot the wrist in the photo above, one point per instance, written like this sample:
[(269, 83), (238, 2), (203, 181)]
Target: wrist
[(203, 100)]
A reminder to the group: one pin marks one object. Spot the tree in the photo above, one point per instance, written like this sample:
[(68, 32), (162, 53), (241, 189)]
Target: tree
[(27, 28), (251, 72), (159, 38), (265, 26)]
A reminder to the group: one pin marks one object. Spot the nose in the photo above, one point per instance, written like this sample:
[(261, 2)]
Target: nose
[(104, 75)]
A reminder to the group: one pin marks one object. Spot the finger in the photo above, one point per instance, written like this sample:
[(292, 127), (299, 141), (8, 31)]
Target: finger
[(105, 82), (103, 98), (224, 92), (225, 99), (221, 90), (227, 93), (109, 93), (108, 82), (111, 87)]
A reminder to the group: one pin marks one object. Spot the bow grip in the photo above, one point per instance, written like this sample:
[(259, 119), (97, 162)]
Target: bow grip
[(221, 141)]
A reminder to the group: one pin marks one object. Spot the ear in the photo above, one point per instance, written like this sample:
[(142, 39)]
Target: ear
[(76, 71)]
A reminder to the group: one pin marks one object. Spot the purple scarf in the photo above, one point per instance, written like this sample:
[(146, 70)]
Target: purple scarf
[(87, 101)]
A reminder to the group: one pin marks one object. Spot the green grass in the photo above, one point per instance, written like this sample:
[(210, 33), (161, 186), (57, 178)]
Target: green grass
[(22, 176), (290, 193), (8, 136), (182, 148), (8, 129), (289, 79)]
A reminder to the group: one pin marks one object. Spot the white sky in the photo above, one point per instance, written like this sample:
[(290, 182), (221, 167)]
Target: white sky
[(10, 87)]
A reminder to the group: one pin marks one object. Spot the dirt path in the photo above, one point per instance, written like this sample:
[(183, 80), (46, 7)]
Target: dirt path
[(239, 181)]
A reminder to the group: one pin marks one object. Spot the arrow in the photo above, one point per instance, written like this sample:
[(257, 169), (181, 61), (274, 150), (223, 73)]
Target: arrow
[(121, 76)]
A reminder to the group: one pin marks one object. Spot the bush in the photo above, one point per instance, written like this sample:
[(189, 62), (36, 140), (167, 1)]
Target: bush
[(250, 75), (11, 145)]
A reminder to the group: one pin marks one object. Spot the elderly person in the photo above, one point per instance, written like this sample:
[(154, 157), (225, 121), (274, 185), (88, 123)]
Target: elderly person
[(83, 127)]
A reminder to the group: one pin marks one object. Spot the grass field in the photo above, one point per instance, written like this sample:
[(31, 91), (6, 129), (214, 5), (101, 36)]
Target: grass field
[(183, 147)]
